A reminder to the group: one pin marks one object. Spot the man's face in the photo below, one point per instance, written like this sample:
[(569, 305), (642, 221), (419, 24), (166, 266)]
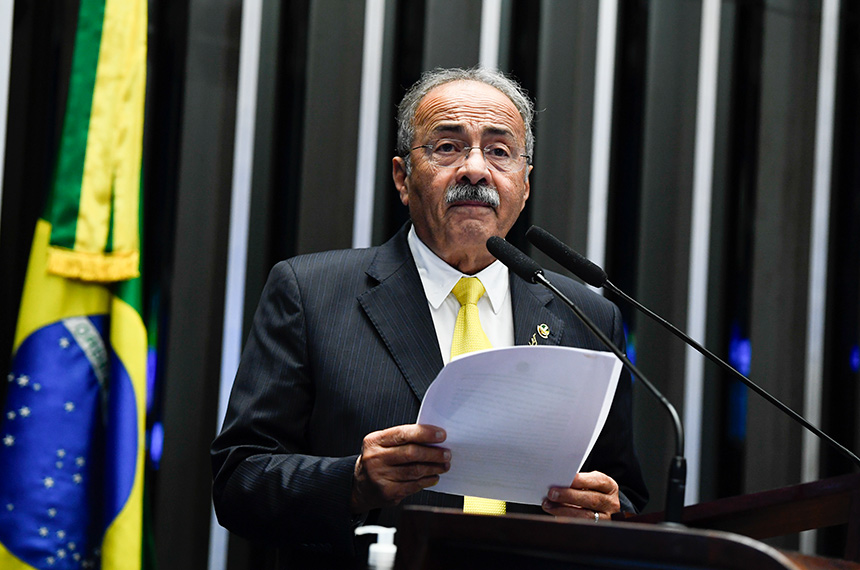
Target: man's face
[(477, 115)]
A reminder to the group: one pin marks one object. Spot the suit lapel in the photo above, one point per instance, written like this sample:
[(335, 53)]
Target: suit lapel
[(398, 309), (534, 323)]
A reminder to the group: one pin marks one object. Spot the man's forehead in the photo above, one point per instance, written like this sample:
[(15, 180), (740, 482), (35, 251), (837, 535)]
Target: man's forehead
[(462, 104)]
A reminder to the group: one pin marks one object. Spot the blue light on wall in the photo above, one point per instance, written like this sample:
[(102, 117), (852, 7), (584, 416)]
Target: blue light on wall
[(740, 356), (631, 344), (156, 443), (855, 359), (151, 368)]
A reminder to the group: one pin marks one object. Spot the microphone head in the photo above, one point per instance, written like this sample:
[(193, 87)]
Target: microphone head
[(518, 262), (589, 272)]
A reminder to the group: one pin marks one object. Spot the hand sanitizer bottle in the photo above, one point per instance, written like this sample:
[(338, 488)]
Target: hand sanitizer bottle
[(382, 552)]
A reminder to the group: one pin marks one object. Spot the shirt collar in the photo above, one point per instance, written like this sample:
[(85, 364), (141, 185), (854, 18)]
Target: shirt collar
[(439, 278)]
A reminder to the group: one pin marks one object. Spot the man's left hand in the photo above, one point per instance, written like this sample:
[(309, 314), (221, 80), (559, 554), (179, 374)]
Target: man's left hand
[(590, 493)]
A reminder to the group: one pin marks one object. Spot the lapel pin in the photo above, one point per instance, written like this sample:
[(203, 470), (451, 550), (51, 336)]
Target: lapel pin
[(543, 330)]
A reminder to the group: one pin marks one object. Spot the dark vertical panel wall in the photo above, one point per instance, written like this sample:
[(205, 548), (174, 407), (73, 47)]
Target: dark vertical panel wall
[(197, 288), (720, 251), (331, 125), (506, 34), (405, 55), (724, 423), (560, 180), (264, 170), (842, 357), (664, 223), (842, 399), (625, 170), (452, 36), (288, 143), (385, 192), (781, 241)]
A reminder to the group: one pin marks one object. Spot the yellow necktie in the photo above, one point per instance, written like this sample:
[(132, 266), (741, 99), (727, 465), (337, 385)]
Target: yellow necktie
[(469, 337)]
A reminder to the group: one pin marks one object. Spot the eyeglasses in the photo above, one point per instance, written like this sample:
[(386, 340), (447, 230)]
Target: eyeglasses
[(450, 153)]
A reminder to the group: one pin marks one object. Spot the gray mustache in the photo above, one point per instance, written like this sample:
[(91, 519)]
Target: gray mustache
[(469, 193)]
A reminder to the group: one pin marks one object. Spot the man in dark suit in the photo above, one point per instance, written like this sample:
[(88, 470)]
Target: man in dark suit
[(319, 434)]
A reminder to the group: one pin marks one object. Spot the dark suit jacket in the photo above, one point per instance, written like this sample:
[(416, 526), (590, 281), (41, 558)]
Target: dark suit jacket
[(343, 344)]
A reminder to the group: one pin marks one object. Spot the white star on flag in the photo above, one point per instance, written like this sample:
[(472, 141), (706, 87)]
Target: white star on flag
[(9, 440), (49, 482), (69, 406)]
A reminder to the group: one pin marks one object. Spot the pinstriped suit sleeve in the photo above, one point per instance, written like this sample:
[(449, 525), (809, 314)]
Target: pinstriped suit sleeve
[(265, 485)]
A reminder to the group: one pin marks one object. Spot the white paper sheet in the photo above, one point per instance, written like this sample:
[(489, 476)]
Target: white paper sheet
[(519, 420)]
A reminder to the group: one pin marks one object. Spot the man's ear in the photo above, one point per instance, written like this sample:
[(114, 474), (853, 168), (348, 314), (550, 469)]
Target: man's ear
[(528, 189), (398, 173)]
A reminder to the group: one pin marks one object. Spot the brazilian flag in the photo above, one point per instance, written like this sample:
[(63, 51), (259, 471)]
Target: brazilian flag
[(72, 429)]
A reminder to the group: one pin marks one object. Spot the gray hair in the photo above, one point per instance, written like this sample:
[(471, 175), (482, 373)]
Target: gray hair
[(436, 77)]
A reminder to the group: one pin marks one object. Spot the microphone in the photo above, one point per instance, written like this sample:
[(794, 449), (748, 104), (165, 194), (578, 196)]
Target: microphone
[(583, 268), (595, 276), (529, 270), (521, 264)]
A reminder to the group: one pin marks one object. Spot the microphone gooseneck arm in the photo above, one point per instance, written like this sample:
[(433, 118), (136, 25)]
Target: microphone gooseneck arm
[(595, 276), (731, 370), (527, 269)]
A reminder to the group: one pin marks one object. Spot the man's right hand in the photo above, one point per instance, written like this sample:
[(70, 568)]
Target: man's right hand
[(397, 462)]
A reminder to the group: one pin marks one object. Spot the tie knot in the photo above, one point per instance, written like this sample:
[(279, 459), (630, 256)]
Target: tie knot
[(468, 290)]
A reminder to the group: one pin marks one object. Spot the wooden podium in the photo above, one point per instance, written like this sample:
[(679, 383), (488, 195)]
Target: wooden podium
[(430, 538), (780, 512)]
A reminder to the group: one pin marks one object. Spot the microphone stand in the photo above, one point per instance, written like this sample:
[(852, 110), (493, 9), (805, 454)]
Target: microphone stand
[(596, 277), (728, 368), (677, 481)]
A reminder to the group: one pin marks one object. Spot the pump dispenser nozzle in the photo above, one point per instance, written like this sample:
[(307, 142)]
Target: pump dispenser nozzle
[(382, 552)]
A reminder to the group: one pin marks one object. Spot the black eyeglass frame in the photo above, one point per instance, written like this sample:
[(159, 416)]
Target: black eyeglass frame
[(464, 153)]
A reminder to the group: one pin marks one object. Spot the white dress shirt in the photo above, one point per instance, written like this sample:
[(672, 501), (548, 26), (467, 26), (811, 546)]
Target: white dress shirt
[(438, 278)]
